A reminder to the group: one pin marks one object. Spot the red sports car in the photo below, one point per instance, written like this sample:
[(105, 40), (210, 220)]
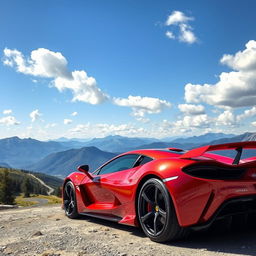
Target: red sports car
[(165, 191)]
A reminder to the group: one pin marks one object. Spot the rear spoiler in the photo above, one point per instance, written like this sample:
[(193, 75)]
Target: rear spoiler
[(238, 146)]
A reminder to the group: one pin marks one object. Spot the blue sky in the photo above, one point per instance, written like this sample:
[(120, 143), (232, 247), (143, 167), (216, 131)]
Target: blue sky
[(134, 68)]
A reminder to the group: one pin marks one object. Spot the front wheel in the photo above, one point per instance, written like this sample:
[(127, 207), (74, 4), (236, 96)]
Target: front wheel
[(69, 198), (156, 213)]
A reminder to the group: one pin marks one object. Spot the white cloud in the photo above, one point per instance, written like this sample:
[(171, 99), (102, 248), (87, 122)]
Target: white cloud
[(42, 62), (67, 121), (9, 120), (199, 121), (235, 88), (35, 115), (190, 109), (90, 130), (7, 111), (186, 34), (226, 118), (178, 18), (247, 113), (170, 34), (245, 60), (74, 114), (142, 105), (84, 88), (253, 123), (49, 64)]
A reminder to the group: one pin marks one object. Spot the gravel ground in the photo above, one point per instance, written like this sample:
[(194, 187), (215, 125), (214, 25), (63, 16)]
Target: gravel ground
[(46, 231)]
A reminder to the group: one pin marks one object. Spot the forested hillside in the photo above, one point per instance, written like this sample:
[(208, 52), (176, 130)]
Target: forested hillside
[(13, 182)]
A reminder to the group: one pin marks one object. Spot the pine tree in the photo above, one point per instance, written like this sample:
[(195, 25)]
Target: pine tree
[(26, 187), (6, 193)]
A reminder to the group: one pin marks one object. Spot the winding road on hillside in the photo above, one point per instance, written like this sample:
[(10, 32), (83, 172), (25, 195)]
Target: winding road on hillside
[(50, 189)]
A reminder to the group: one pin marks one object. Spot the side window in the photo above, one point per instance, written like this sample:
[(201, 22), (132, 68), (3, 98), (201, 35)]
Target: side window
[(144, 160), (119, 164)]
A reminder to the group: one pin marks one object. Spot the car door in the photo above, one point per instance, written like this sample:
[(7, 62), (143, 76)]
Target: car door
[(108, 182)]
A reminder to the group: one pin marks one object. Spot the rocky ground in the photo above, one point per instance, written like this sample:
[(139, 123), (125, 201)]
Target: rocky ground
[(46, 231)]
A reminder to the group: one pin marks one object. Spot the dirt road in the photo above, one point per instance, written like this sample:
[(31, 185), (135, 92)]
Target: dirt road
[(46, 231), (50, 190), (39, 201)]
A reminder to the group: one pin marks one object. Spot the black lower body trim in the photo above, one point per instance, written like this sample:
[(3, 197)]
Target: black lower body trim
[(102, 216), (231, 207)]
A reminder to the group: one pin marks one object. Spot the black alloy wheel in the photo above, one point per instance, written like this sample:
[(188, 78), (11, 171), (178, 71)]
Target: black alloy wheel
[(69, 198), (156, 213)]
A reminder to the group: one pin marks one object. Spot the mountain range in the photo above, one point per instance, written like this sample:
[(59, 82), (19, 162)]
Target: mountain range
[(17, 152), (62, 163), (63, 156)]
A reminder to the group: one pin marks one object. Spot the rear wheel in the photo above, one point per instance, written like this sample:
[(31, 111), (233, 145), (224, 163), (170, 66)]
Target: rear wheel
[(156, 213), (69, 198)]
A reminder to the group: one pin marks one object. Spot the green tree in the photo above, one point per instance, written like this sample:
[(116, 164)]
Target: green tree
[(43, 191), (6, 193), (26, 187), (58, 192)]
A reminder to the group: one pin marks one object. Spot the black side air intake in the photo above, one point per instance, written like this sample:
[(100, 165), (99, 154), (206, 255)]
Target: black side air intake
[(214, 172)]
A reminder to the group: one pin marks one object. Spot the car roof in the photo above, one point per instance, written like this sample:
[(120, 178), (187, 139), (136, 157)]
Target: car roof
[(157, 153)]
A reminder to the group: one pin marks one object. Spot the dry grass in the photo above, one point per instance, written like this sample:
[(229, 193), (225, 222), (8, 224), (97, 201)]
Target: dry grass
[(20, 200)]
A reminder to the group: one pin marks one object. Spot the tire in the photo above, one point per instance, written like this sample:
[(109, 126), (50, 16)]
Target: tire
[(69, 199), (156, 213)]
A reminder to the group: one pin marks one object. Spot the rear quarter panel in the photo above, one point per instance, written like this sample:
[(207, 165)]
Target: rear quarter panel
[(189, 195)]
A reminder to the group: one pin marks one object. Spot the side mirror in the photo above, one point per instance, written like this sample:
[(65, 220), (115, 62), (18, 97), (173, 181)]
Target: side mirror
[(85, 170)]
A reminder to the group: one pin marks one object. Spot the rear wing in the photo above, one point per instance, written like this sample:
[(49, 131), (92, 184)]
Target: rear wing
[(238, 146)]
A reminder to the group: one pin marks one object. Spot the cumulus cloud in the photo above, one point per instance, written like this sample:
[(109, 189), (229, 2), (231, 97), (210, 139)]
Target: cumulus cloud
[(233, 89), (74, 114), (186, 34), (190, 109), (247, 113), (7, 111), (49, 64), (242, 60), (84, 88), (35, 115), (199, 121), (9, 120), (67, 121), (226, 118), (170, 35), (42, 62), (89, 130), (178, 18), (142, 105)]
